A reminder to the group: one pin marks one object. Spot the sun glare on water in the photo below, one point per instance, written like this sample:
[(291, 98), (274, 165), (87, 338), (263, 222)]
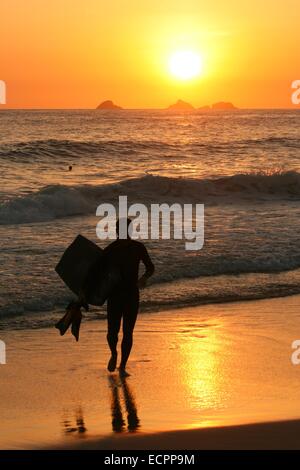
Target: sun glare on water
[(185, 65)]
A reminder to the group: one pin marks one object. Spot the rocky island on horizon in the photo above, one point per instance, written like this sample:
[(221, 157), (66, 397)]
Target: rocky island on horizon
[(108, 104), (181, 105), (223, 105)]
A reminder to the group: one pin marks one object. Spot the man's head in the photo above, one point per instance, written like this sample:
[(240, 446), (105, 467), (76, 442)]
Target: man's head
[(122, 228)]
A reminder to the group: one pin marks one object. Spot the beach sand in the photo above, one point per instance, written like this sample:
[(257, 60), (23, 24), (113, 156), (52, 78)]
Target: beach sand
[(201, 377)]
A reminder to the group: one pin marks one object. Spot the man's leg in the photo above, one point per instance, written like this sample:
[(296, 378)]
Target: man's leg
[(114, 315), (129, 319)]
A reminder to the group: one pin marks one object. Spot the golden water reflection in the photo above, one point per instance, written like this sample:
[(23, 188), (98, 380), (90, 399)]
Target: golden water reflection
[(202, 353)]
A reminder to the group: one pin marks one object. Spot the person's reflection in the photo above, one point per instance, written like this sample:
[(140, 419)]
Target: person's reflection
[(79, 424), (118, 422)]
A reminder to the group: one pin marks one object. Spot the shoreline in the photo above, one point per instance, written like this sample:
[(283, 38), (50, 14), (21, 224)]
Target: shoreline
[(96, 313), (283, 435), (199, 375)]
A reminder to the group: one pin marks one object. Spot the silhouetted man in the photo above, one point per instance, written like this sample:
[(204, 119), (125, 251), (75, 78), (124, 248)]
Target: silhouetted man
[(123, 302)]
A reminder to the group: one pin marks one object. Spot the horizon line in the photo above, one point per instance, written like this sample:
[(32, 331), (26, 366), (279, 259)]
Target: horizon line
[(145, 109)]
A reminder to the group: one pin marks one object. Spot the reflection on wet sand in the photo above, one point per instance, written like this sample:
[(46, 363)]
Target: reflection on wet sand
[(118, 423), (121, 396), (79, 424)]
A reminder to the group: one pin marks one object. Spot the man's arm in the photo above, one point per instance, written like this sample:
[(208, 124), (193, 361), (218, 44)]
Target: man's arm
[(145, 258)]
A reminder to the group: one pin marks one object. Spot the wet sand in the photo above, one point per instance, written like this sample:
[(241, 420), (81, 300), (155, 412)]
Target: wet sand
[(282, 435), (196, 374)]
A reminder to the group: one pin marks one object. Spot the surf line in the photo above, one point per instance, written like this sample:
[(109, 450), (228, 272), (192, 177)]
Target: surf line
[(188, 222), (2, 92)]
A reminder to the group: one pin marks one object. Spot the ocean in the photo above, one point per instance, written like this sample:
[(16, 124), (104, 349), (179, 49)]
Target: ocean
[(244, 166)]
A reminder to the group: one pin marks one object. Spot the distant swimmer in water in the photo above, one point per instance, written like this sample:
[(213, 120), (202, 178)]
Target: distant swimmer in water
[(70, 167)]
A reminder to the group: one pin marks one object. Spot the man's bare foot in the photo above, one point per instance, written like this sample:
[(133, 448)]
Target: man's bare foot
[(112, 363), (123, 373)]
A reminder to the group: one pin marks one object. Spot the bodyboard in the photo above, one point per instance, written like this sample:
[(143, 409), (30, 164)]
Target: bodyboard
[(78, 262)]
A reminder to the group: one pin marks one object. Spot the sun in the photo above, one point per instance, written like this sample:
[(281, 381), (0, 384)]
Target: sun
[(185, 64)]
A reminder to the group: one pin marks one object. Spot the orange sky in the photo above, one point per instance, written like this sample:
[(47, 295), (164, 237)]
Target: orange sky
[(77, 53)]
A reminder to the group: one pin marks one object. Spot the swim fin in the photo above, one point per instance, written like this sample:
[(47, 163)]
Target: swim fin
[(76, 322), (63, 324), (73, 314)]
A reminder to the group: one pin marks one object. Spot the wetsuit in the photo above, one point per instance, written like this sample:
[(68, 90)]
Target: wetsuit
[(123, 302)]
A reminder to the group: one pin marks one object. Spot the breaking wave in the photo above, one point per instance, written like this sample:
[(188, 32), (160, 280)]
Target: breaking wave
[(57, 201), (43, 311)]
